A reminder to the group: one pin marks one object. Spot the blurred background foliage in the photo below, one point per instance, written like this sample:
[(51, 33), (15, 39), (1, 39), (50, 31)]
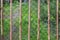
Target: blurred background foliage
[(34, 16)]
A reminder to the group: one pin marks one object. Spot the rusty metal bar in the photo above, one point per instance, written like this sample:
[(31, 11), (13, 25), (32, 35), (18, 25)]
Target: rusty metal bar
[(29, 22), (56, 19), (48, 19), (38, 28), (10, 19), (20, 28), (2, 35)]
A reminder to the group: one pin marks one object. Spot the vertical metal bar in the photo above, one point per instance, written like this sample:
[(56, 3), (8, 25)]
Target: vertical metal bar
[(38, 28), (56, 19), (20, 28), (29, 22), (2, 38), (10, 19), (48, 19)]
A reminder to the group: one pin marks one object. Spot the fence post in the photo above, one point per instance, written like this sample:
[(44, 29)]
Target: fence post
[(29, 22), (38, 28), (2, 34), (56, 19), (20, 28), (48, 19), (10, 19)]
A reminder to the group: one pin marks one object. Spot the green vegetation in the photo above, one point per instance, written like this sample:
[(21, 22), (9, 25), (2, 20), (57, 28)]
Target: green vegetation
[(34, 16)]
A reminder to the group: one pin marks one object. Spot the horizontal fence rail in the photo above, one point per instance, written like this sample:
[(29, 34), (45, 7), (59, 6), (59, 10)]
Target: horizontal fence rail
[(29, 20)]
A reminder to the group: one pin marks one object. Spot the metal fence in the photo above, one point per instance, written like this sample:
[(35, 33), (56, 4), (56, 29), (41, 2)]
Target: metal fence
[(29, 20)]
